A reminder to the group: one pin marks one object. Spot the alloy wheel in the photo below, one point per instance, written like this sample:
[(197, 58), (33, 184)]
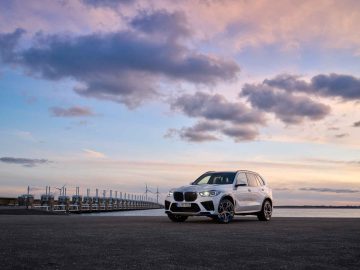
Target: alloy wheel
[(226, 211), (267, 210)]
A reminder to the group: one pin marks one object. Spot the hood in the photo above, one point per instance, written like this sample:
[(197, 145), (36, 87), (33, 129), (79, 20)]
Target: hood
[(199, 188)]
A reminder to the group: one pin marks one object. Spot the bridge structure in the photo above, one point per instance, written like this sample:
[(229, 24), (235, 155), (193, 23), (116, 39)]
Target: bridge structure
[(87, 204)]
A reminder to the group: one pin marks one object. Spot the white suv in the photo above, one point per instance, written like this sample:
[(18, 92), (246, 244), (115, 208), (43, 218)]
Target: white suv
[(221, 195)]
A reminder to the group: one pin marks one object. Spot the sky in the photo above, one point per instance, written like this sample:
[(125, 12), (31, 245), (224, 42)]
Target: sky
[(116, 94)]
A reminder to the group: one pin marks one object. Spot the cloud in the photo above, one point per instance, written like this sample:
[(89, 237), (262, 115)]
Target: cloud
[(26, 162), (8, 42), (251, 24), (330, 190), (356, 124), (332, 161), (284, 95), (192, 135), (200, 132), (93, 154), (218, 116), (288, 82), (204, 131), (124, 66), (170, 25), (243, 24), (334, 85), (106, 3), (234, 24), (281, 189), (343, 86), (216, 107), (25, 135), (241, 133), (289, 108), (342, 135), (71, 112), (82, 123)]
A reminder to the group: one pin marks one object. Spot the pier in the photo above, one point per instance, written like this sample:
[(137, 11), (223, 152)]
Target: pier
[(116, 201)]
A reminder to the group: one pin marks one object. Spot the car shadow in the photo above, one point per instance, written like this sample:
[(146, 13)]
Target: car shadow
[(202, 220)]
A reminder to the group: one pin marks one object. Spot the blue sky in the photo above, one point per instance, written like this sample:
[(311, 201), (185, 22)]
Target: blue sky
[(113, 96)]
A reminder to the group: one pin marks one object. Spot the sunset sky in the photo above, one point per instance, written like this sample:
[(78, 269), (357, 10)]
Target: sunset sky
[(114, 94)]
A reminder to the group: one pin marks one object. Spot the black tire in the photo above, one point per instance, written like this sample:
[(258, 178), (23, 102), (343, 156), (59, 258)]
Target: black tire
[(226, 211), (266, 211), (177, 218)]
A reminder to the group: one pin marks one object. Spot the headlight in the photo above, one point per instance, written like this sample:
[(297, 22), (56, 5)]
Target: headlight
[(170, 194), (210, 193)]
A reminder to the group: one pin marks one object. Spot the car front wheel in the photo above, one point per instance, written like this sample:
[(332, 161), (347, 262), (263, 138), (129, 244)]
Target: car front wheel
[(226, 211), (177, 218), (266, 211)]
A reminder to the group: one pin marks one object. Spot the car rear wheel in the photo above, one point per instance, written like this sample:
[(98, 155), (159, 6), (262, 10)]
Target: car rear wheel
[(177, 218), (266, 211), (226, 211)]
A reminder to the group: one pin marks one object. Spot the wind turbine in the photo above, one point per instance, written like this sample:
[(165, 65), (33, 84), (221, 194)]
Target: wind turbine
[(157, 195), (61, 190), (146, 191)]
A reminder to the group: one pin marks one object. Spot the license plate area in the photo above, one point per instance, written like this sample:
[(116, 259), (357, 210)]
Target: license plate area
[(183, 204)]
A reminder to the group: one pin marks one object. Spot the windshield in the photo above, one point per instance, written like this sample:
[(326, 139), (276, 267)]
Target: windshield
[(219, 178)]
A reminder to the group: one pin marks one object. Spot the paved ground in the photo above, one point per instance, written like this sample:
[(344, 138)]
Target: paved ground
[(91, 242), (21, 210)]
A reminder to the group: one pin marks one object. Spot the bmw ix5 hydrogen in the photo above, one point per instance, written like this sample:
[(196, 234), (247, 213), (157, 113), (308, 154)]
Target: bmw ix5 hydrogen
[(221, 195)]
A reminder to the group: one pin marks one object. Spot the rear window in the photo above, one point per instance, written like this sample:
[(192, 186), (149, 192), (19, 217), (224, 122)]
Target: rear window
[(252, 180), (260, 180)]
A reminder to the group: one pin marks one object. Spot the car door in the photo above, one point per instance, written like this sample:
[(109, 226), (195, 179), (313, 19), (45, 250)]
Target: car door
[(254, 190), (242, 194)]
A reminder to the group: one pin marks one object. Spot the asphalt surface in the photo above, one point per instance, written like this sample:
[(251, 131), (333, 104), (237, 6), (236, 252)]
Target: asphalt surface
[(93, 242), (23, 211)]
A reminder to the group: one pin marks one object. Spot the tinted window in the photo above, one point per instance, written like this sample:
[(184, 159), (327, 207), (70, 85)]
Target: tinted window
[(252, 180), (241, 179), (261, 182), (215, 179)]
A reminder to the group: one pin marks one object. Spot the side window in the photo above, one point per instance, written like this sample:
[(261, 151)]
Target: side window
[(260, 180), (218, 180), (252, 180), (241, 179)]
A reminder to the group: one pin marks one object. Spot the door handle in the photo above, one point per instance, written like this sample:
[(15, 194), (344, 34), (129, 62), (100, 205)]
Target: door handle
[(249, 190)]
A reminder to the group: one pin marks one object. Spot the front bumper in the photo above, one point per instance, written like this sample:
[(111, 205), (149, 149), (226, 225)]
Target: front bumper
[(202, 206)]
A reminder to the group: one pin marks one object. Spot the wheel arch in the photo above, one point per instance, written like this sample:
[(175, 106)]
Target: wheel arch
[(229, 197), (268, 199)]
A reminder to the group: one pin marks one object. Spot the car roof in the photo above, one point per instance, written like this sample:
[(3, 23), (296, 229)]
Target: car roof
[(232, 171), (245, 171)]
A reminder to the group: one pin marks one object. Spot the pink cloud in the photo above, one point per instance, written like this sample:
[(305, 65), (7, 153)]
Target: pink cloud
[(239, 23)]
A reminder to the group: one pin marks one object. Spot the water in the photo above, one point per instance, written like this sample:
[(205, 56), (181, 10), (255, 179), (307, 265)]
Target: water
[(280, 212), (321, 213)]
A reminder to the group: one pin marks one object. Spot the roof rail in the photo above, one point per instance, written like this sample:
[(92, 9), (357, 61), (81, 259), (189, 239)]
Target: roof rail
[(246, 171)]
